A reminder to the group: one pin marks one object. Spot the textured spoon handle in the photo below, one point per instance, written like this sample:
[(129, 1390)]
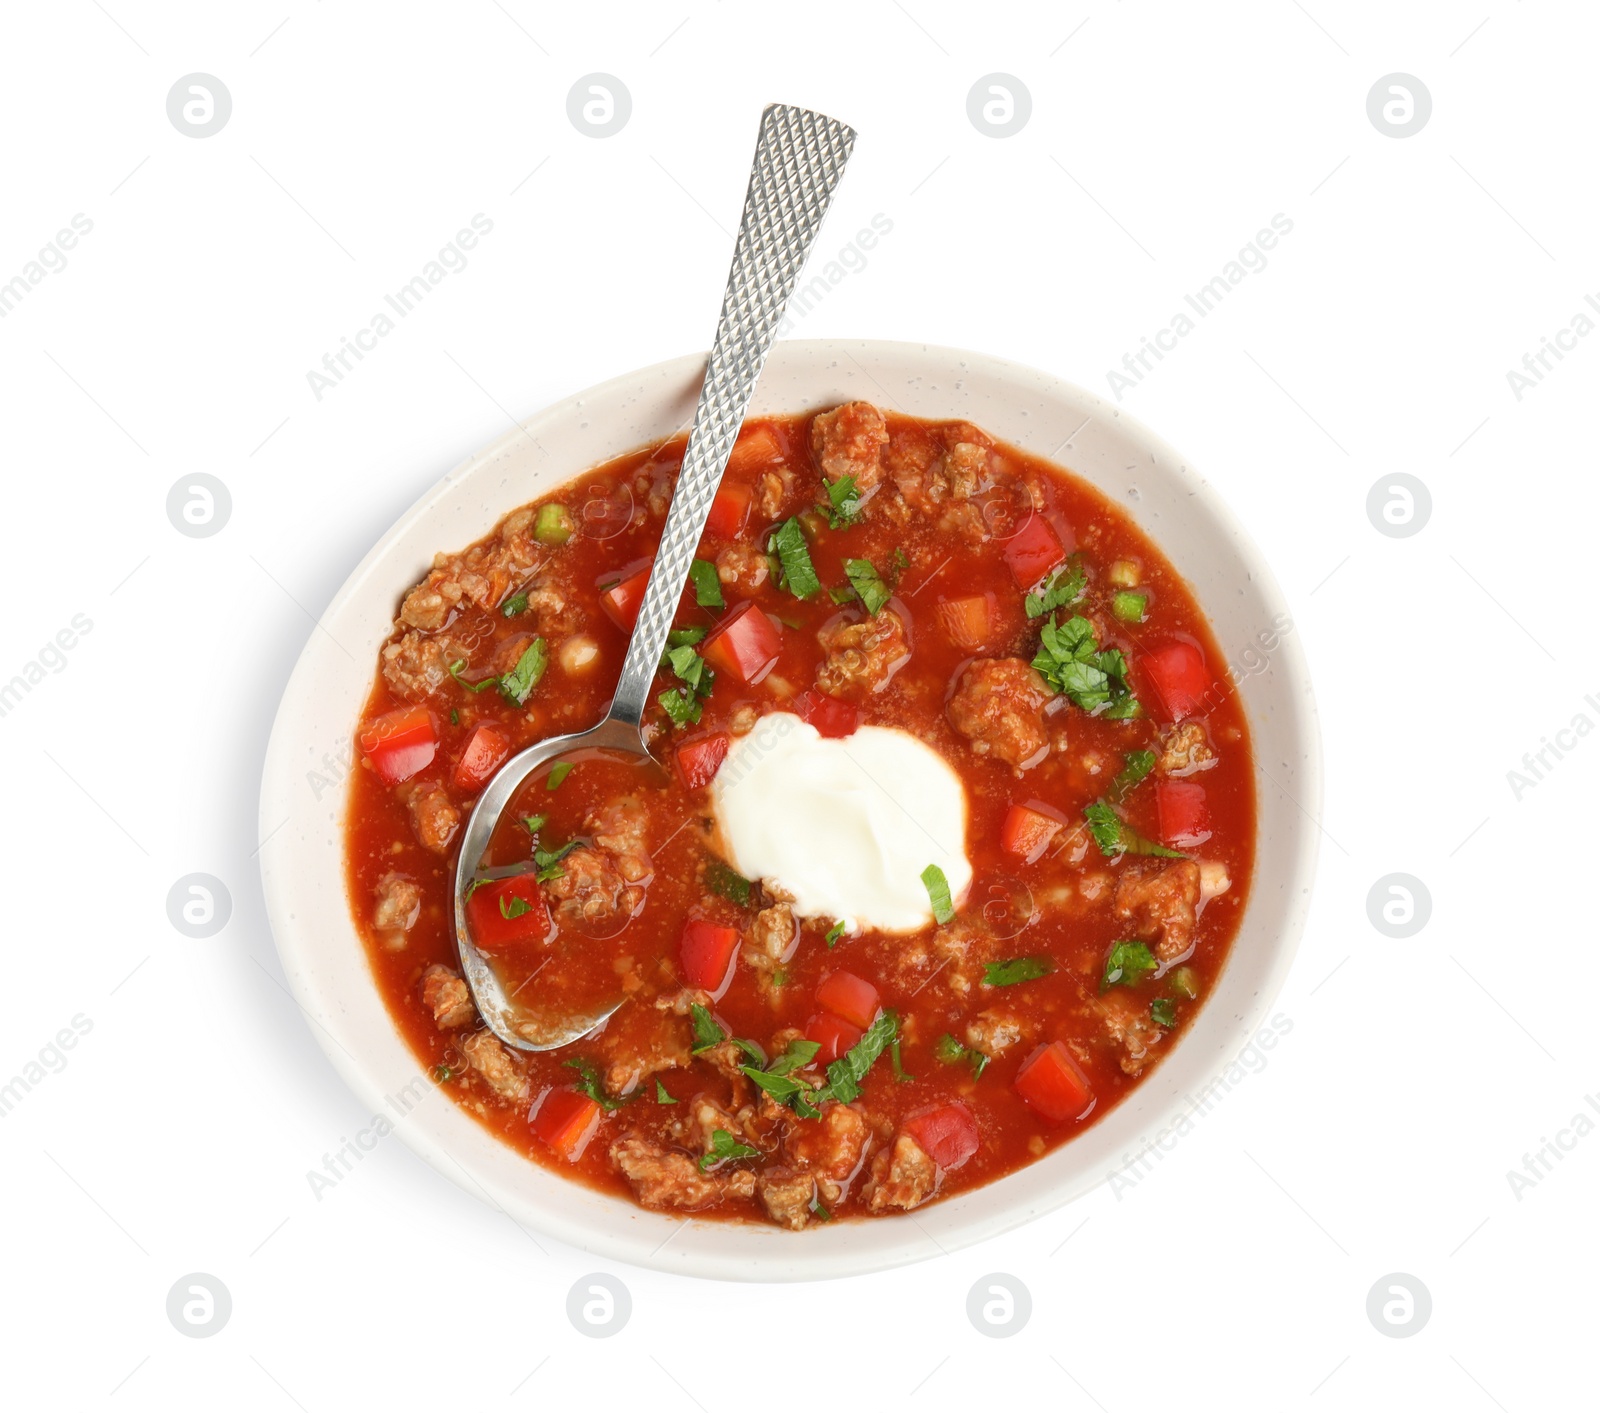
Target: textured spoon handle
[(800, 157)]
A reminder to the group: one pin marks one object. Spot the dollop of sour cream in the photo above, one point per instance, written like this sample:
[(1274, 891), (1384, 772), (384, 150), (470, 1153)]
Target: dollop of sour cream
[(847, 826)]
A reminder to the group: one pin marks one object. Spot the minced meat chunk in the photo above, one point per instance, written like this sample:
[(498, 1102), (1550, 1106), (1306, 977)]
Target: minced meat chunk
[(416, 665), (1185, 750), (641, 1041), (787, 1196), (1160, 900), (605, 881), (932, 477), (772, 492), (833, 1145), (903, 1177), (771, 938), (433, 818), (667, 1177), (399, 904), (995, 1031), (742, 567), (999, 707), (499, 1068), (862, 657), (1129, 1026), (446, 995), (849, 441)]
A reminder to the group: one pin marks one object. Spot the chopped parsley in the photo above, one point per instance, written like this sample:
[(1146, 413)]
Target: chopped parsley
[(725, 1146), (706, 1030), (1164, 1012), (517, 603), (548, 861), (480, 686), (685, 637), (455, 717), (823, 1214), (799, 1054), (589, 1083), (894, 1062), (1009, 973), (1135, 766), (835, 932), (1128, 965), (1116, 836), (682, 704), (844, 502), (898, 564), (533, 823), (1064, 586), (846, 1073), (724, 882), (707, 586), (443, 1074), (524, 677), (1072, 662), (558, 772), (662, 1097), (950, 1051), (873, 592), (513, 906), (938, 887), (795, 570)]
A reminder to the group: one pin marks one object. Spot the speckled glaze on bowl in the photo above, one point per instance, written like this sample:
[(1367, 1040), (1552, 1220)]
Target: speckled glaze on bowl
[(302, 871)]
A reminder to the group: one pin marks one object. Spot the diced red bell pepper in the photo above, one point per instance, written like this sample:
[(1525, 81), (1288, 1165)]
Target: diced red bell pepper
[(729, 509), (485, 749), (566, 1120), (1181, 808), (699, 760), (948, 1134), (1028, 830), (1054, 1084), (621, 601), (706, 952), (1177, 674), (850, 997), (833, 1034), (1033, 551), (968, 622), (505, 912), (757, 445), (830, 716), (399, 743), (744, 644)]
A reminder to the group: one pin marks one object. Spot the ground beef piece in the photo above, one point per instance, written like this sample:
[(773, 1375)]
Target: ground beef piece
[(742, 567), (446, 995), (399, 903), (833, 1145), (773, 489), (1185, 750), (666, 1177), (433, 818), (931, 475), (998, 706), (501, 1070), (995, 1031), (903, 1177), (1160, 899), (787, 1196), (639, 1042), (1127, 1021), (592, 889), (771, 938), (849, 441), (415, 666), (703, 1119), (862, 657), (428, 606), (619, 827)]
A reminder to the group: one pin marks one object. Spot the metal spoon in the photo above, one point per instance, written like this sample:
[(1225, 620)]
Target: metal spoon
[(799, 159)]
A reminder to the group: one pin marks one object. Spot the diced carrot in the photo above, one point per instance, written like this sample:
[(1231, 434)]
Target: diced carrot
[(1054, 1084), (849, 996), (566, 1120)]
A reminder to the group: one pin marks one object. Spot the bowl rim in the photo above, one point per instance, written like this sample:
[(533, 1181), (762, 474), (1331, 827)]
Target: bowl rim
[(638, 1240)]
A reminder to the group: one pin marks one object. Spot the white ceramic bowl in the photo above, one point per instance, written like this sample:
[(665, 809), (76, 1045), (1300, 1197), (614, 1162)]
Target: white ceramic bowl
[(302, 861)]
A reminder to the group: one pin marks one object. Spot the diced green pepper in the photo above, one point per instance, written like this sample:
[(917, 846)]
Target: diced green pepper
[(554, 525), (1129, 607)]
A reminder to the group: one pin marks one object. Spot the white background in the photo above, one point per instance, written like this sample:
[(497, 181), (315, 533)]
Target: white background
[(178, 1136)]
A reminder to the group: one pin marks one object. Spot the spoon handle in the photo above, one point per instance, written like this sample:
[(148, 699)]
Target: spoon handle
[(800, 156)]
